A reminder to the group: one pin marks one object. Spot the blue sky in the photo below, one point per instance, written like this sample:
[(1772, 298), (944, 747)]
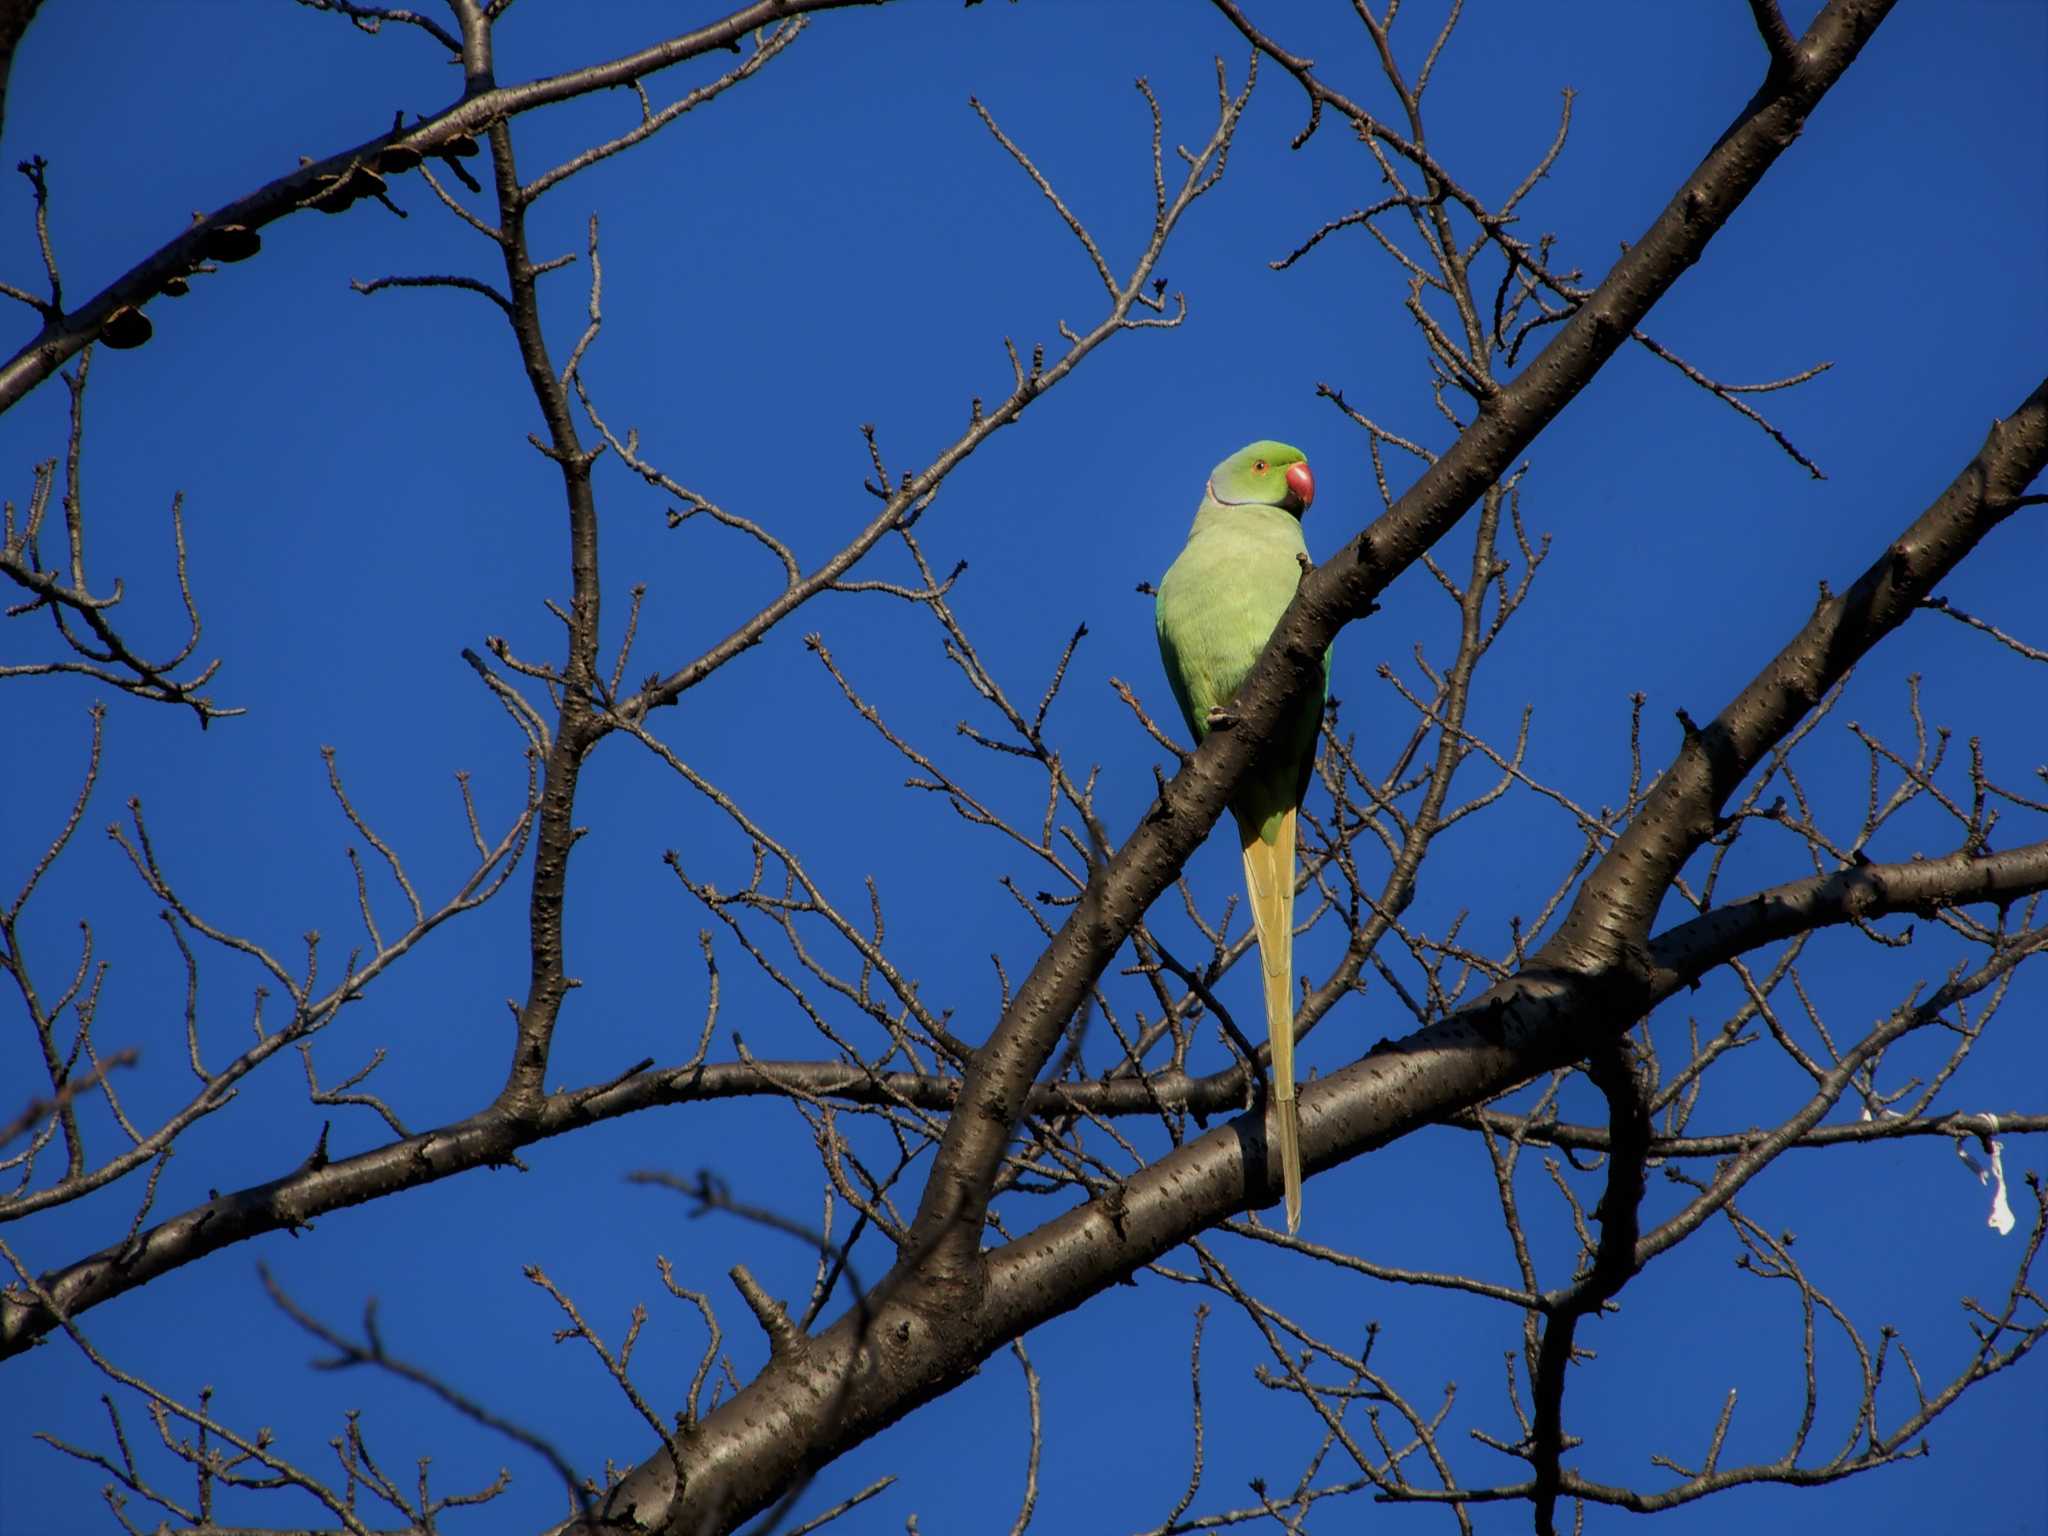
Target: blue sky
[(840, 242)]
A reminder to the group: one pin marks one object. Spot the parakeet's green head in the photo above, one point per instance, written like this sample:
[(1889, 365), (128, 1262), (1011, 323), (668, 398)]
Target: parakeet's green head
[(1265, 474)]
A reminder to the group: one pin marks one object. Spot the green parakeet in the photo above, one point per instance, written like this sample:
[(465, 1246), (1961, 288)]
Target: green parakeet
[(1218, 604)]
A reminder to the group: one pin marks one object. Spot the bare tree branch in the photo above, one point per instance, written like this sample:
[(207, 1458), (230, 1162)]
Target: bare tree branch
[(232, 232)]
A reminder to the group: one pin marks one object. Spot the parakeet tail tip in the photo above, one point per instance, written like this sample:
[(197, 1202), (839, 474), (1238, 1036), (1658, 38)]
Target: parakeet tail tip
[(1288, 1119)]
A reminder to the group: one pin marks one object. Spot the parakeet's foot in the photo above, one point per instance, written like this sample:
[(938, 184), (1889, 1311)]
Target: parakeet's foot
[(1221, 719)]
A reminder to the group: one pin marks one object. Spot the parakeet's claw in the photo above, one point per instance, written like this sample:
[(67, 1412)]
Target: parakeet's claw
[(1220, 719)]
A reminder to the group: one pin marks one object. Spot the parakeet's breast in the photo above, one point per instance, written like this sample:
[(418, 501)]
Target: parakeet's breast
[(1219, 601)]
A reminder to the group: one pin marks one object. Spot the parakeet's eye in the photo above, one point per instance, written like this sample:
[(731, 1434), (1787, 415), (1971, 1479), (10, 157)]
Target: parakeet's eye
[(1260, 467)]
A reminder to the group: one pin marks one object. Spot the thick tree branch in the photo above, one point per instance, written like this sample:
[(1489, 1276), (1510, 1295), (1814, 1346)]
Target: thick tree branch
[(1681, 955)]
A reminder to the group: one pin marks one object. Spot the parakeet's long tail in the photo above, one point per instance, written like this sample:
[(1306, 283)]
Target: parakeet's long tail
[(1269, 875)]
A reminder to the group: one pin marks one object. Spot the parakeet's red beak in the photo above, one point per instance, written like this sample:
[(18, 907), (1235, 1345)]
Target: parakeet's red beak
[(1302, 483)]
